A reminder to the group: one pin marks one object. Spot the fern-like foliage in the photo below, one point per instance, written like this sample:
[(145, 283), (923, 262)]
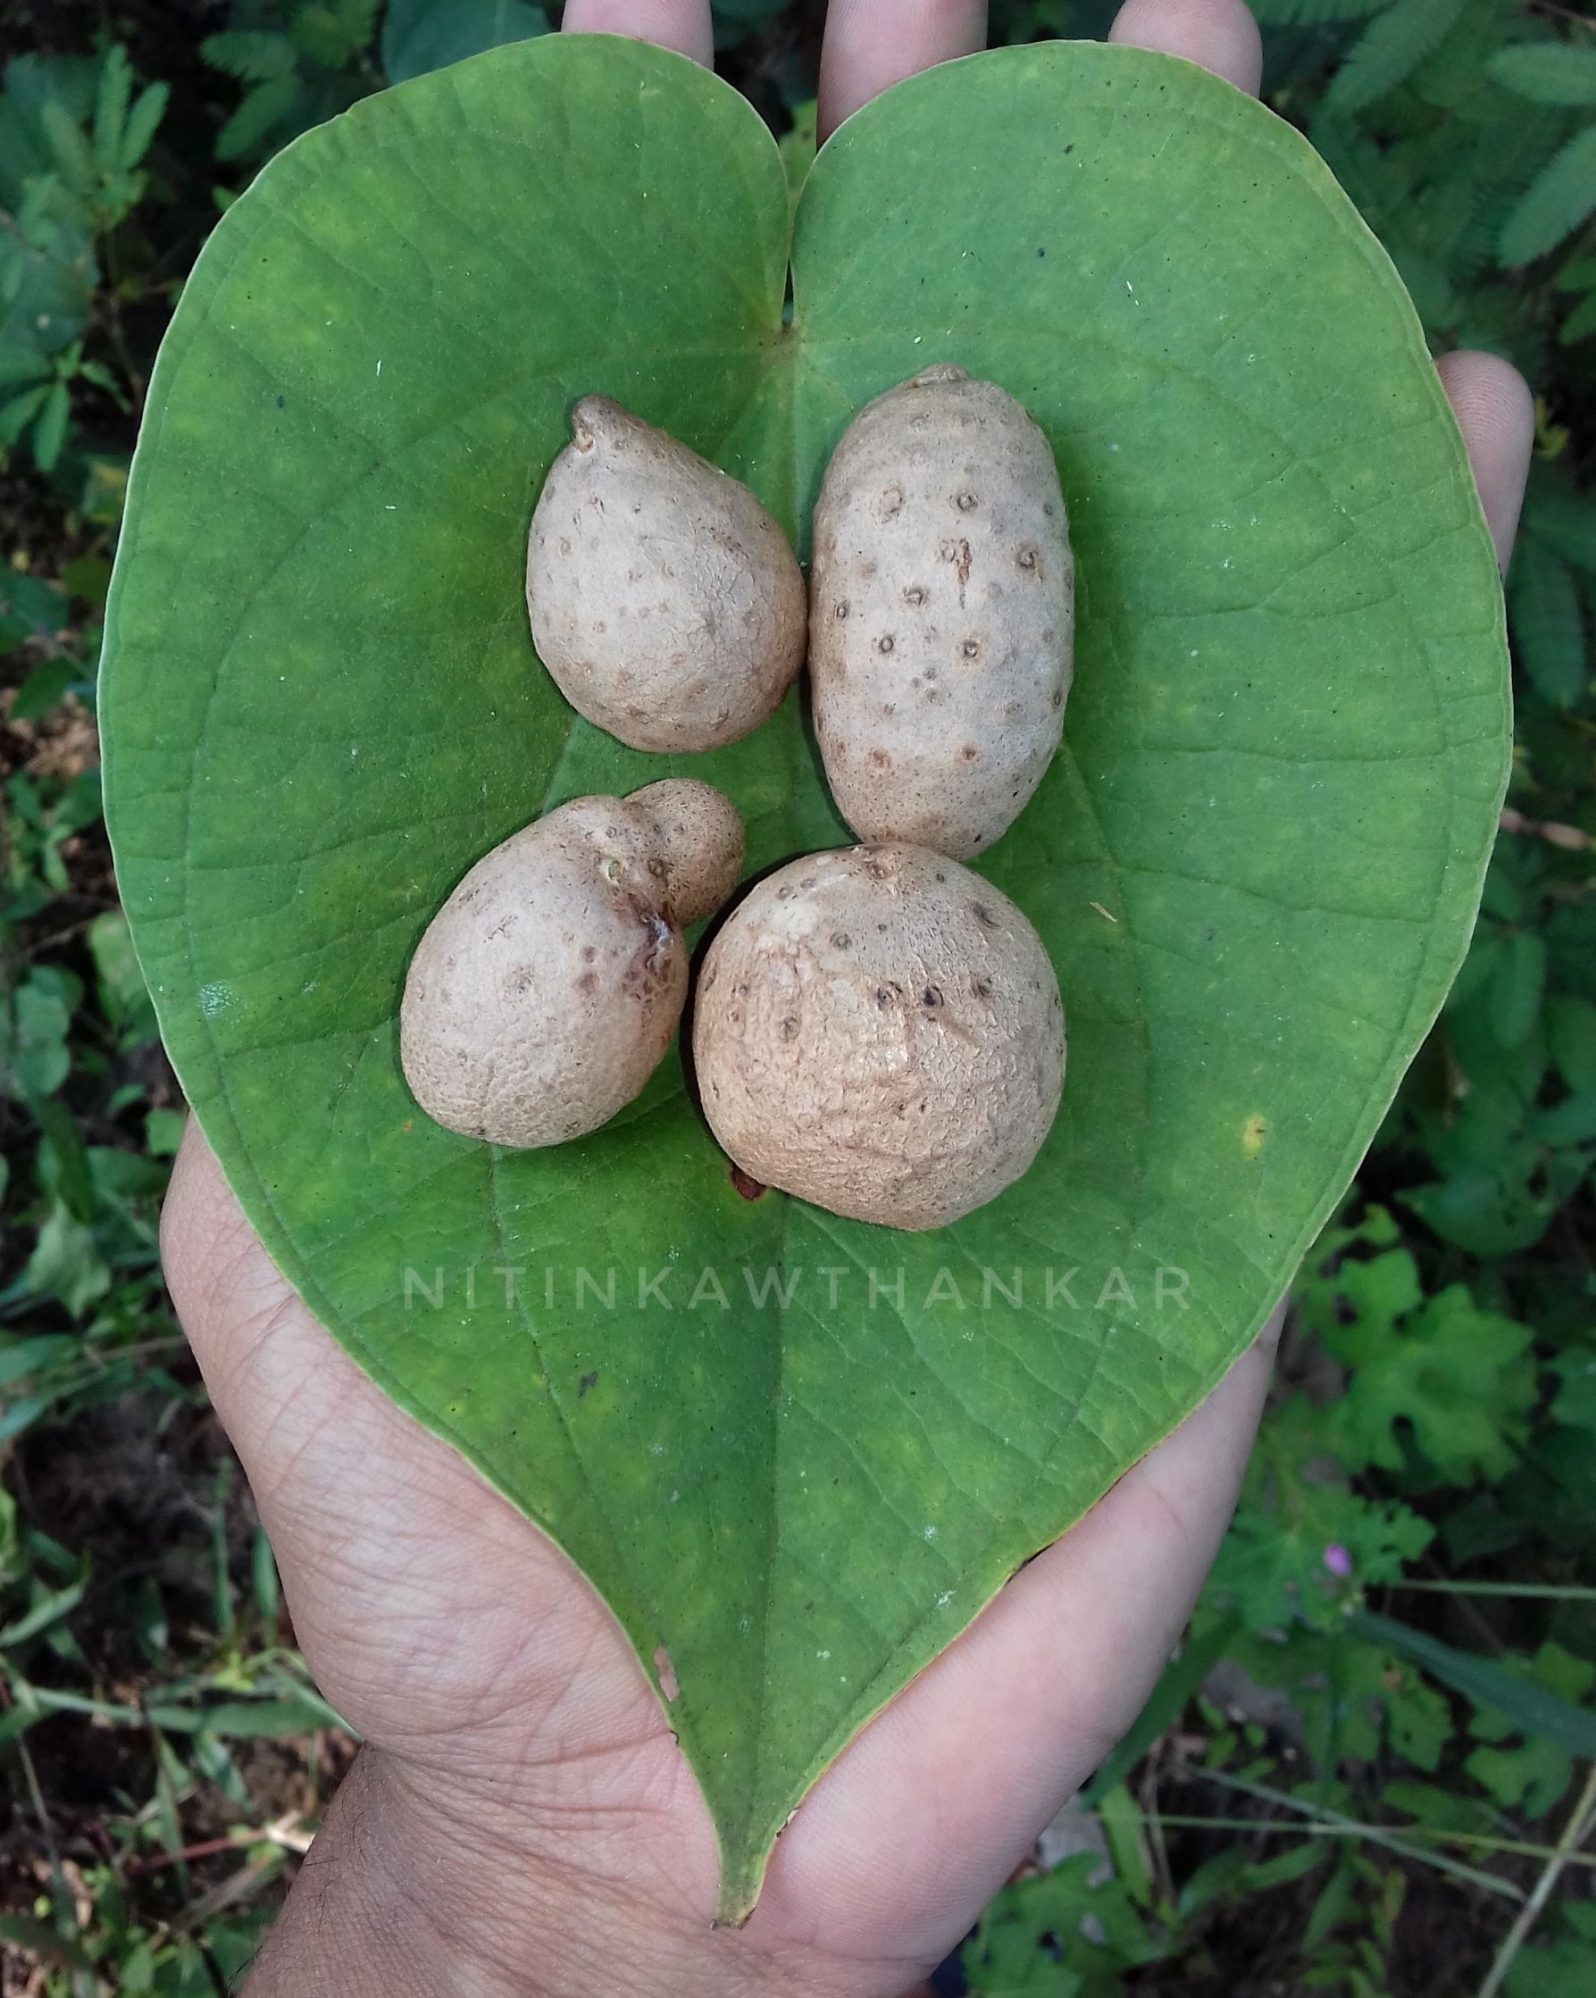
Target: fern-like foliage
[(251, 54), (1548, 631), (301, 60), (1390, 50), (1455, 76), (1558, 202), (1548, 72), (334, 32)]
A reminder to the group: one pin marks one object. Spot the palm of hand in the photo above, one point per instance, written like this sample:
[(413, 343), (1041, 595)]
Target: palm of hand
[(508, 1712), (509, 1709)]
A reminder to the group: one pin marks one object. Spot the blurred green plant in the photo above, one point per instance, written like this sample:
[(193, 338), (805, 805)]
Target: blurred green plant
[(297, 65), (73, 134)]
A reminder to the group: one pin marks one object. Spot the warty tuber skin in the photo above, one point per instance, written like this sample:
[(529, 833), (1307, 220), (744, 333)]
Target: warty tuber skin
[(879, 1031), (546, 989), (664, 599), (941, 613)]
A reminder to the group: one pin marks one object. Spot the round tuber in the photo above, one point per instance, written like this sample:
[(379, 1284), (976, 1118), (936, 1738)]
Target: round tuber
[(664, 599), (941, 613), (879, 1031), (546, 989)]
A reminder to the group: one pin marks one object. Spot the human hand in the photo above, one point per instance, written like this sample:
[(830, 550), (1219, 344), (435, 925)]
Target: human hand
[(521, 1818)]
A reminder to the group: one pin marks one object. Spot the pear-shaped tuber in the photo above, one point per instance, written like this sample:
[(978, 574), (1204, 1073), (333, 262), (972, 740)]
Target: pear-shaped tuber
[(664, 599)]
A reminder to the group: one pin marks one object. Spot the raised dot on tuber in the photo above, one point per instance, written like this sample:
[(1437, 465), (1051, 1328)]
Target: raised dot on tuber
[(664, 599), (941, 618), (879, 1031), (545, 991)]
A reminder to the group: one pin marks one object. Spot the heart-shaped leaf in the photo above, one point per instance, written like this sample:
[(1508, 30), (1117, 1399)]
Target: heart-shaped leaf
[(797, 1455)]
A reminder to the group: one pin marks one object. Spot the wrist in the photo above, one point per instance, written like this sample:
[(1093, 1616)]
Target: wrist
[(406, 1895)]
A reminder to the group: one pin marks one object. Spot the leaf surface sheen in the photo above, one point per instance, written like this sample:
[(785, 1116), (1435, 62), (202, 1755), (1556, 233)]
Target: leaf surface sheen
[(1255, 864)]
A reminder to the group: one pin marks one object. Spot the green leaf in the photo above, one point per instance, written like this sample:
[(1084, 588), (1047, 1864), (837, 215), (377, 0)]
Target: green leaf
[(110, 110), (87, 576), (1556, 204), (1292, 1538), (1418, 1720), (21, 1359), (43, 687), (34, 1035), (143, 122), (50, 426), (1497, 1210), (48, 1608), (1352, 1699), (1518, 986), (123, 993), (20, 411), (68, 147), (1548, 631), (1063, 1934), (331, 36), (420, 35), (251, 55), (1287, 746), (1389, 51), (163, 1133), (1563, 517), (1458, 1376), (1561, 1969), (260, 110), (1548, 72), (1580, 323), (1575, 1403), (1532, 1774), (64, 1164), (1120, 1816), (1529, 1706), (1571, 1122), (276, 1720), (65, 1263), (1571, 1039), (1286, 1866)]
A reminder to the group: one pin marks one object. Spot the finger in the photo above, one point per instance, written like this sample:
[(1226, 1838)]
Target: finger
[(870, 44), (1496, 413), (683, 25), (1221, 35), (953, 1781)]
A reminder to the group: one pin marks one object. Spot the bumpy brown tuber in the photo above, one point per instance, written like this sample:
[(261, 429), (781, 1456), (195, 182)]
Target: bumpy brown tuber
[(546, 989), (664, 599), (941, 613), (879, 1031)]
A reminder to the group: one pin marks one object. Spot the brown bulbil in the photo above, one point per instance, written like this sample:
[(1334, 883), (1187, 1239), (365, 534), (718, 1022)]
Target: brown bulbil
[(664, 599), (975, 549), (546, 989), (879, 1031)]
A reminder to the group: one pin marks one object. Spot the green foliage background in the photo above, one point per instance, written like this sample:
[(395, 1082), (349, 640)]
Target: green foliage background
[(1357, 1770)]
